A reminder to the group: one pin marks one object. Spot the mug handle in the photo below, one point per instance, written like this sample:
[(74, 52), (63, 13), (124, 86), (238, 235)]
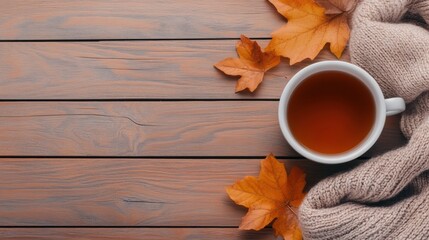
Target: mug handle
[(394, 106)]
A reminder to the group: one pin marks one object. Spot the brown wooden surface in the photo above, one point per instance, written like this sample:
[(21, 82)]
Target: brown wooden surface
[(135, 19), (133, 234), (128, 192), (207, 128), (123, 70), (115, 125)]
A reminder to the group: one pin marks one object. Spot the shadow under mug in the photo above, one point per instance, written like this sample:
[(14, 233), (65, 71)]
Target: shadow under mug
[(383, 108)]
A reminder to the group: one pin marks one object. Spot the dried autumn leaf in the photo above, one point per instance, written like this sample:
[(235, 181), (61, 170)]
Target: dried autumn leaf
[(309, 28), (272, 195), (251, 64)]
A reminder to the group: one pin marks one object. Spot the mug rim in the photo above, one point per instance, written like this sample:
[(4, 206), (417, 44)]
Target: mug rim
[(365, 144)]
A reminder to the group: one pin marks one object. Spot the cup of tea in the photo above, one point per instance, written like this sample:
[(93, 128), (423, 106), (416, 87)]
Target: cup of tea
[(333, 111)]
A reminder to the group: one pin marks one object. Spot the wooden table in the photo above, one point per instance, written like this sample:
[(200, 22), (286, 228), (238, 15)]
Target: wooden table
[(114, 123)]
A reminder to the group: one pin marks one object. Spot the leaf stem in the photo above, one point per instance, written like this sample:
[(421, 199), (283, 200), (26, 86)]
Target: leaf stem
[(354, 7), (291, 209)]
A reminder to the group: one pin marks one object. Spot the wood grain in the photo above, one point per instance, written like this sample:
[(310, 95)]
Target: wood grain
[(133, 234), (137, 19), (213, 128), (129, 192), (129, 69)]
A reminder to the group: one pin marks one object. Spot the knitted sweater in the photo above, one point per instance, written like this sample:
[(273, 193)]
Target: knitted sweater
[(387, 197)]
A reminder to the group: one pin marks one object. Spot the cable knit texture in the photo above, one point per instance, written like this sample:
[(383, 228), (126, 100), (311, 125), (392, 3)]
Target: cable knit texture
[(387, 197)]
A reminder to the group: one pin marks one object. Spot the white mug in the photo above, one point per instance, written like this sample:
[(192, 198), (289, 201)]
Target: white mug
[(383, 108)]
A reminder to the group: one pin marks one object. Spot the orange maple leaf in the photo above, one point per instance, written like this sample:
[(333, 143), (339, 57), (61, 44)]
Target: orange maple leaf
[(309, 28), (272, 195), (251, 64)]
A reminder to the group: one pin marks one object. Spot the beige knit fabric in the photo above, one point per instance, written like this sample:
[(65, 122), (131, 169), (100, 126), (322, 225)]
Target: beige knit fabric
[(386, 197)]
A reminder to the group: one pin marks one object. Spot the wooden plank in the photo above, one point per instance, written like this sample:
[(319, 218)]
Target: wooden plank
[(129, 192), (128, 69), (137, 19), (133, 233), (213, 128)]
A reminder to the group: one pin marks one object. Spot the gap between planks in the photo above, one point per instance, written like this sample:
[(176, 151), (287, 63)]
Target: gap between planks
[(132, 39)]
